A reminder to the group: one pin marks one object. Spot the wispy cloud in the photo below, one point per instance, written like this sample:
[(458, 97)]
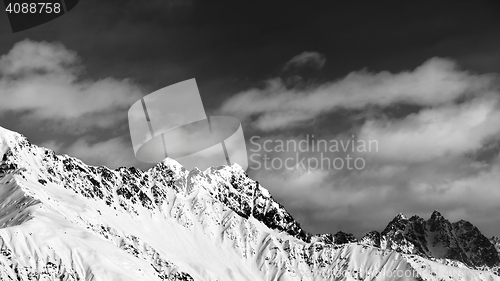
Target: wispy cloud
[(113, 153), (44, 82), (452, 129), (43, 85), (277, 106), (428, 157), (310, 59)]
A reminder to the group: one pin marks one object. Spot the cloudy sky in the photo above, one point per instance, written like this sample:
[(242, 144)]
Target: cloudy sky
[(421, 79)]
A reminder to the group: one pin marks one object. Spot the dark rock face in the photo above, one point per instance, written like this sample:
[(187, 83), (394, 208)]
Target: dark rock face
[(436, 238), (343, 238), (372, 238), (338, 238), (442, 242), (475, 245), (274, 216), (495, 240)]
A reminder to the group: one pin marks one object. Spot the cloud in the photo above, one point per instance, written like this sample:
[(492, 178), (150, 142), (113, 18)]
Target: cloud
[(428, 156), (44, 88), (54, 145), (360, 201), (113, 153), (44, 82), (276, 106), (28, 57), (436, 132), (310, 59)]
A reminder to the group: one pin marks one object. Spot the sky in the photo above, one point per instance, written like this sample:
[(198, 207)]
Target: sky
[(420, 80)]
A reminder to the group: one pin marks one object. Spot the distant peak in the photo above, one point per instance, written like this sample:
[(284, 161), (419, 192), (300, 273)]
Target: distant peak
[(171, 165), (401, 216), (416, 218), (436, 215), (176, 166), (171, 162), (399, 219), (462, 221), (342, 237)]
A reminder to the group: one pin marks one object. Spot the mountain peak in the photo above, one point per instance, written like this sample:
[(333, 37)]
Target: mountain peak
[(437, 222), (436, 215), (4, 132), (8, 139), (401, 216), (172, 165)]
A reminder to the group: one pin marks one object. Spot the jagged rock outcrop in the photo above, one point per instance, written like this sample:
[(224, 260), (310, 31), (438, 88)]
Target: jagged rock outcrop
[(495, 240), (437, 238)]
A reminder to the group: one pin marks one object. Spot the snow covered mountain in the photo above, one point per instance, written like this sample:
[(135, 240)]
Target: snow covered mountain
[(61, 219), (437, 238)]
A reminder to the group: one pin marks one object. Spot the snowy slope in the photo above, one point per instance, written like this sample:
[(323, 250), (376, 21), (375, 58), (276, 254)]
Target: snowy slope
[(63, 220)]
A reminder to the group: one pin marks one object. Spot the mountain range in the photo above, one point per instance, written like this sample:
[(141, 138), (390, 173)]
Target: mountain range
[(61, 219)]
